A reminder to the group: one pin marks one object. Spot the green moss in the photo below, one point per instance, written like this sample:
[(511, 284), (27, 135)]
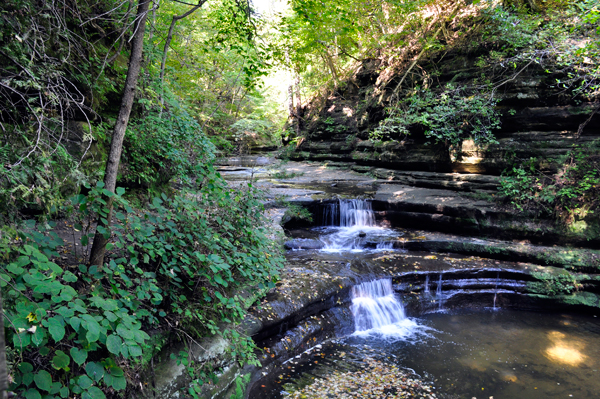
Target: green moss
[(582, 298)]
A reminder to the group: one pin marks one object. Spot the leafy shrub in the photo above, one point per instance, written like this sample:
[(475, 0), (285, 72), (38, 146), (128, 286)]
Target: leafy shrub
[(187, 264), (449, 117), (158, 148), (570, 194), (36, 184), (556, 284)]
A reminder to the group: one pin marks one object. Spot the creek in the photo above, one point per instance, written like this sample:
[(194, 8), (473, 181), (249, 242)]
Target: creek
[(457, 327)]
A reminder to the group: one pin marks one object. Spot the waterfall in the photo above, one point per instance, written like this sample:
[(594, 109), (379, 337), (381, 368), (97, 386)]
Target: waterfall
[(426, 289), (438, 294), (348, 213), (350, 225), (356, 213), (350, 221), (496, 289), (377, 310), (330, 215), (385, 245)]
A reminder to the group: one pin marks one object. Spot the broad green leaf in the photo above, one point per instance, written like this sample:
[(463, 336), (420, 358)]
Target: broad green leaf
[(56, 387), (56, 329), (135, 350), (61, 360), (25, 367), (75, 322), (37, 338), (79, 355), (110, 316), (116, 371), (21, 340), (117, 382), (43, 380), (93, 393), (33, 393), (95, 371), (69, 277), (85, 382), (114, 343), (140, 336), (92, 327), (124, 332), (220, 280)]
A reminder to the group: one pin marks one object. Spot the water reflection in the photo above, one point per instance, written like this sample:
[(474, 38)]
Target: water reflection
[(502, 354), (566, 350)]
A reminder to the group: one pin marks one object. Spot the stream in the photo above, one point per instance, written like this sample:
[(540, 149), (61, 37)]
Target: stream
[(441, 348)]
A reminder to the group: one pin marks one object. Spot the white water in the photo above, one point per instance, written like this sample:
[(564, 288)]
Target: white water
[(378, 311), (350, 224), (438, 294), (496, 289)]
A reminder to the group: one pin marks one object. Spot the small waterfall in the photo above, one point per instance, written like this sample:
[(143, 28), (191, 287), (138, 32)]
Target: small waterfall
[(377, 310), (374, 305), (356, 213), (426, 290), (385, 245), (348, 213), (438, 294), (330, 215), (351, 220), (496, 289)]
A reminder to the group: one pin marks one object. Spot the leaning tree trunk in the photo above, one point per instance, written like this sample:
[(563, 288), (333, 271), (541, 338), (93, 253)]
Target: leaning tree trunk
[(116, 145), (298, 111), (163, 62)]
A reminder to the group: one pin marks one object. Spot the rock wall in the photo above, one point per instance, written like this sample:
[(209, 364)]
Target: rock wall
[(538, 120)]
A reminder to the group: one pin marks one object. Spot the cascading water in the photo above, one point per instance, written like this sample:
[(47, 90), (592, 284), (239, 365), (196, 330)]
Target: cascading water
[(438, 294), (356, 213), (350, 224), (426, 289), (330, 215), (378, 311), (496, 289)]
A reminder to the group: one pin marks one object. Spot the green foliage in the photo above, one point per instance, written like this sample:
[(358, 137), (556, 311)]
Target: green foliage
[(160, 147), (216, 64), (449, 117), (68, 341), (37, 184), (569, 195), (323, 40), (553, 284), (189, 261), (51, 74), (562, 39), (295, 211), (240, 384)]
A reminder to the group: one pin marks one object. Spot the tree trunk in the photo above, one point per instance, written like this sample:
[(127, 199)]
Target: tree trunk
[(116, 145), (298, 103), (163, 62)]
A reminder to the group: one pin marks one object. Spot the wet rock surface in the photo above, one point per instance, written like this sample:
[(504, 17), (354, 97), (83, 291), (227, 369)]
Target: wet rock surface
[(429, 270)]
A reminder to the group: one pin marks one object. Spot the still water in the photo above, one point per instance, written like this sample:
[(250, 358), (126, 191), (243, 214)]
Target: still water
[(505, 354), (502, 354)]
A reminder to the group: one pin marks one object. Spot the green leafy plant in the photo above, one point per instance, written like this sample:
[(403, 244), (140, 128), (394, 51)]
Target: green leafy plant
[(569, 195), (190, 261), (449, 117), (557, 284), (294, 211)]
